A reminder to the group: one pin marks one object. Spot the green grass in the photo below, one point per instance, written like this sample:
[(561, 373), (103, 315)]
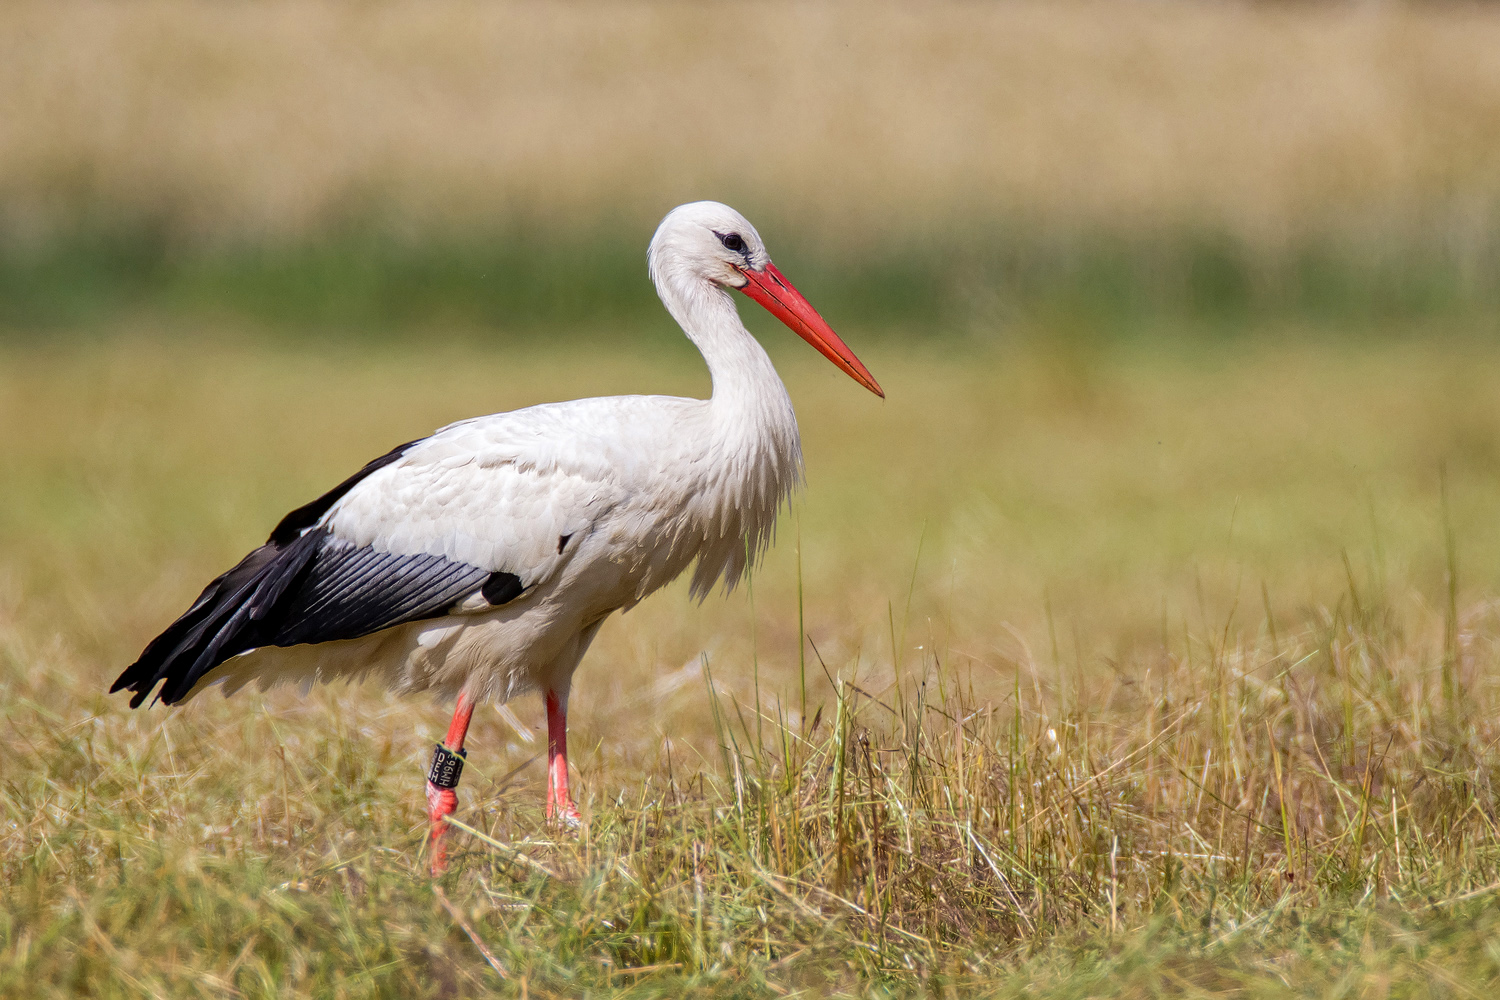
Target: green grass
[(1131, 670), (969, 277)]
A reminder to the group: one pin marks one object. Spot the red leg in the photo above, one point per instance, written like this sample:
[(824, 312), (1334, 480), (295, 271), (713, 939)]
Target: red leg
[(442, 801), (559, 803)]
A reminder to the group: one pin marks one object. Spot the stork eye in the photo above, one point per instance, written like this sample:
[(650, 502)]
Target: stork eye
[(731, 241)]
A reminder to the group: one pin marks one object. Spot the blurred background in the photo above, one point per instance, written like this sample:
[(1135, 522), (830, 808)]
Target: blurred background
[(949, 169), (1186, 310)]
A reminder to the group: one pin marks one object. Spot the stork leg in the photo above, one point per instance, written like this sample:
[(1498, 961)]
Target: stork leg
[(559, 804), (442, 780)]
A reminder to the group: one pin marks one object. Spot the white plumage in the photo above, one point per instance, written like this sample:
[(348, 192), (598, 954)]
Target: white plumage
[(527, 528)]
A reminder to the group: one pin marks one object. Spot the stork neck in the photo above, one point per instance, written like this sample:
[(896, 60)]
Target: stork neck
[(745, 383)]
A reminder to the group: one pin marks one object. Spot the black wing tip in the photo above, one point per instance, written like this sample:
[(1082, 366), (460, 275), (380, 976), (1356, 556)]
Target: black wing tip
[(215, 628), (138, 694), (139, 680), (132, 679)]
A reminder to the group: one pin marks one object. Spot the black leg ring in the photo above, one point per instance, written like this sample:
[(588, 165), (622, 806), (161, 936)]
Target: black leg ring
[(447, 767)]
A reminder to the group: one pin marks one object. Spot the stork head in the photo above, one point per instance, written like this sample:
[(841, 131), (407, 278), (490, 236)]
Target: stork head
[(707, 243)]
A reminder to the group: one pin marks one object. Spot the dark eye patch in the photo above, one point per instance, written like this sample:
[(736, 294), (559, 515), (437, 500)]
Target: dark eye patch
[(731, 241)]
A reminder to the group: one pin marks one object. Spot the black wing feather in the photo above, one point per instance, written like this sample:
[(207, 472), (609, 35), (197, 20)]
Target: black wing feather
[(317, 589), (305, 586), (355, 591)]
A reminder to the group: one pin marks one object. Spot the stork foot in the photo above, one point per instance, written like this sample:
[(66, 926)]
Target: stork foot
[(560, 807), (565, 815)]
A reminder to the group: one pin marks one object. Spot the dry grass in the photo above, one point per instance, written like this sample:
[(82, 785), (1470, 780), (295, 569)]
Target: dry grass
[(285, 119), (1175, 699)]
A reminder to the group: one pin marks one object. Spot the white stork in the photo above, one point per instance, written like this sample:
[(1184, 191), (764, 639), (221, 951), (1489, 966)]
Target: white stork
[(481, 561)]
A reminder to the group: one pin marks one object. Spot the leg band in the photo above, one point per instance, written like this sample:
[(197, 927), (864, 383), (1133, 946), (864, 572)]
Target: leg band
[(447, 767)]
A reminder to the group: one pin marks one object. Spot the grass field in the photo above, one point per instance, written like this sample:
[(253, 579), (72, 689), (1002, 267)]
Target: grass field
[(1143, 643), (1155, 670)]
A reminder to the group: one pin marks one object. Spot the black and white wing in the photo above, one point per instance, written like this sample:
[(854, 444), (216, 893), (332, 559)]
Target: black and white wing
[(434, 527)]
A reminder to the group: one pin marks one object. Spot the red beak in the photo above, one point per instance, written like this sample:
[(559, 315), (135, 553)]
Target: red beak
[(771, 289)]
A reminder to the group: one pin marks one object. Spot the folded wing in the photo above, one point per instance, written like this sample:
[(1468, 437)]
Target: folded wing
[(307, 585)]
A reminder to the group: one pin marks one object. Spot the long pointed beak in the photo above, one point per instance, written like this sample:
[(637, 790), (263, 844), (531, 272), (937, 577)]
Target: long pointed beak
[(771, 289)]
